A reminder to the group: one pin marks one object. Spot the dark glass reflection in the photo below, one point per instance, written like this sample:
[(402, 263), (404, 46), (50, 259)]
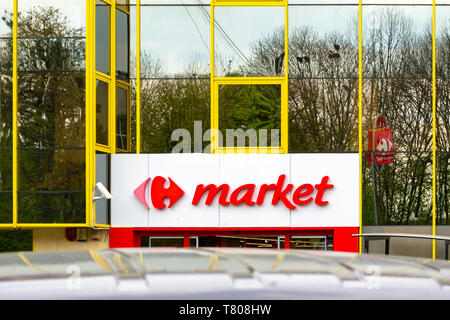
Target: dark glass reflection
[(167, 105), (51, 112), (248, 109), (323, 115), (122, 118), (51, 185), (102, 175), (102, 114), (5, 148), (249, 41), (397, 83), (6, 48), (122, 46), (443, 114), (52, 207), (403, 189), (56, 54), (322, 41), (102, 37)]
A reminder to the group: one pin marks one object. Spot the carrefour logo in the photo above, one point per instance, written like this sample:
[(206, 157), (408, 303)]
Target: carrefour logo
[(243, 195)]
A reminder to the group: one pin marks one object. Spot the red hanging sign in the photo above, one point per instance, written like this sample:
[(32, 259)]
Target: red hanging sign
[(380, 143)]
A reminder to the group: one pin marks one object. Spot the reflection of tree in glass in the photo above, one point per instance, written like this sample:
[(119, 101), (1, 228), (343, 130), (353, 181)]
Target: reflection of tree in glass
[(5, 124), (51, 117), (250, 107)]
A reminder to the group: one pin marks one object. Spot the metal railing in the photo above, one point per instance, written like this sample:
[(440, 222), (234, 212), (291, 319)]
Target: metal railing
[(386, 237)]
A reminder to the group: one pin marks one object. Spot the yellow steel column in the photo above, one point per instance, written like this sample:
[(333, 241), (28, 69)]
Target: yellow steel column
[(138, 76), (113, 79), (14, 115), (360, 146), (89, 143), (285, 106), (214, 125), (434, 128)]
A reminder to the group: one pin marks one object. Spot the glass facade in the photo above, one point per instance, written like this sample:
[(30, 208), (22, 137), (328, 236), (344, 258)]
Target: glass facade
[(129, 83), (442, 112), (6, 119), (51, 112)]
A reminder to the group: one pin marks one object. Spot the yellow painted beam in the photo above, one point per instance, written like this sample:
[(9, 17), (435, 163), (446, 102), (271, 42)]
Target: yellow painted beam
[(434, 129), (360, 110), (138, 76)]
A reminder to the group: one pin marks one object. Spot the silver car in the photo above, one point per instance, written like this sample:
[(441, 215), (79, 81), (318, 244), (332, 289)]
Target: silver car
[(225, 273)]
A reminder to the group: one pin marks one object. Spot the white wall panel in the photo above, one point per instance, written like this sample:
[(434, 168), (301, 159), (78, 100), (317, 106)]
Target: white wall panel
[(128, 171), (240, 169), (189, 170), (186, 170), (343, 207)]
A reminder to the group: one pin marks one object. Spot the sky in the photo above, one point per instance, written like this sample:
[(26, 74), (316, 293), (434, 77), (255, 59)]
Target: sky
[(171, 35), (178, 35)]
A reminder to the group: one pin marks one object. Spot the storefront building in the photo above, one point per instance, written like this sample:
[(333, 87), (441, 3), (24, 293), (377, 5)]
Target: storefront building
[(223, 122)]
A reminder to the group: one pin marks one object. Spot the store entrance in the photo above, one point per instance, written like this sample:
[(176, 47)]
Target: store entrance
[(308, 242)]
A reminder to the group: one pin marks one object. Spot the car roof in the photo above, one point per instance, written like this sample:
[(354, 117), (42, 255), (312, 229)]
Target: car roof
[(210, 273)]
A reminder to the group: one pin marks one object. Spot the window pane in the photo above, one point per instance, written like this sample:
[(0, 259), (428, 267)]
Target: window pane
[(122, 46), (71, 13), (442, 112), (51, 35), (6, 36), (102, 175), (52, 169), (55, 54), (133, 39), (443, 75), (170, 105), (397, 41), (102, 36), (53, 207), (249, 41), (323, 115), (5, 148), (403, 190), (102, 113), (308, 243), (122, 118), (51, 110), (323, 41), (397, 83), (52, 185), (250, 115), (407, 105), (175, 41), (155, 242)]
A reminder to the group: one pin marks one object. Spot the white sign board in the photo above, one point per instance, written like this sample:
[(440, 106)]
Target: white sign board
[(253, 190)]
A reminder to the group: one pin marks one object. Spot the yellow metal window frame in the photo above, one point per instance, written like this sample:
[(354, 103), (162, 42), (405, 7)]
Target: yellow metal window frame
[(216, 81), (126, 86), (250, 81), (113, 83), (109, 79), (88, 126), (124, 6)]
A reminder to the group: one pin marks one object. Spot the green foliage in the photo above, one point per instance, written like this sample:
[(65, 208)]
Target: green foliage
[(16, 240), (249, 107), (171, 104)]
